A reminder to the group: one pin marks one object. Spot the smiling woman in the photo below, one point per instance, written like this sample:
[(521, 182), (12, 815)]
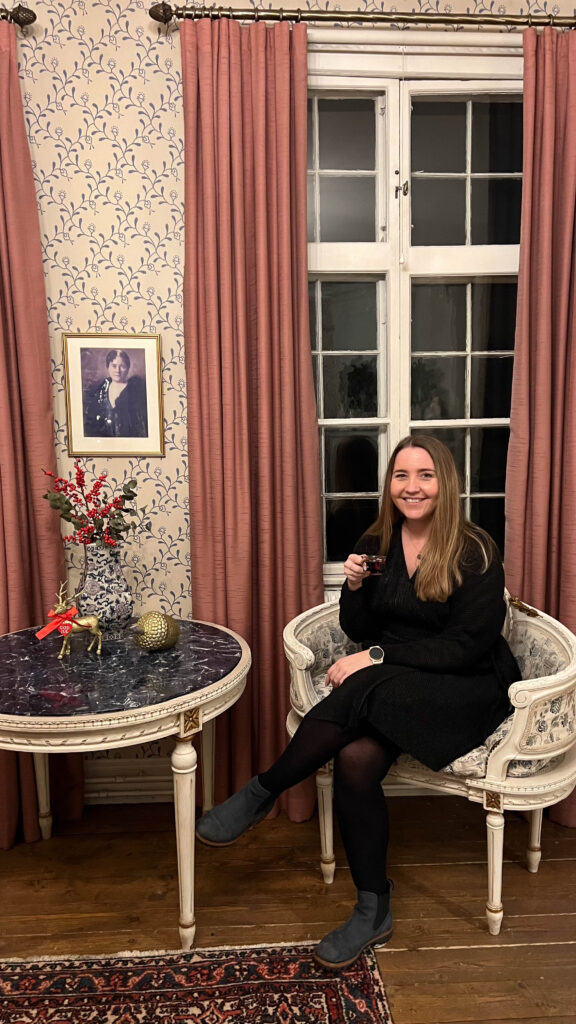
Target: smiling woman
[(430, 678)]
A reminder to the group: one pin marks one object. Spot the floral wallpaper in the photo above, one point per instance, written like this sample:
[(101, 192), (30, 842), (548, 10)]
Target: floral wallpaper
[(103, 106)]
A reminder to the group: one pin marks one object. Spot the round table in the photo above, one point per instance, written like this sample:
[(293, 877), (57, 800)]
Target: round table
[(124, 696)]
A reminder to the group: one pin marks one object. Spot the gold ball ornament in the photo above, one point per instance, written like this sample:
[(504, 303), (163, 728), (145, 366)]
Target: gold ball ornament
[(156, 631)]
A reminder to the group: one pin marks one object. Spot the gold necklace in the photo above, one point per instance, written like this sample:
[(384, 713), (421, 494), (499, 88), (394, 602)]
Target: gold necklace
[(413, 548)]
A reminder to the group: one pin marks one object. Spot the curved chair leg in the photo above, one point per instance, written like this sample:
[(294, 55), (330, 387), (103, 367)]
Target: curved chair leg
[(534, 851), (495, 839), (324, 787)]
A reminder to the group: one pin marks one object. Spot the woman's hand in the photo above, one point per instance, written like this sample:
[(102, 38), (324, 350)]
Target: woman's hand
[(354, 571), (344, 667)]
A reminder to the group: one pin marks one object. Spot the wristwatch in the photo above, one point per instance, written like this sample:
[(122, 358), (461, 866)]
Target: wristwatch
[(376, 655)]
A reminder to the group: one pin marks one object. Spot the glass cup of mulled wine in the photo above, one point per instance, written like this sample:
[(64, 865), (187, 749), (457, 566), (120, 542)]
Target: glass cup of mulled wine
[(374, 563)]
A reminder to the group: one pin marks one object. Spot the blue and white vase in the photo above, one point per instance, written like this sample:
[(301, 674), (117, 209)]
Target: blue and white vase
[(105, 592)]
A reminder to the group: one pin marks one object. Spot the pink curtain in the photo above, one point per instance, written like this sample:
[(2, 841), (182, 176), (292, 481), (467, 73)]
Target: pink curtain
[(252, 432), (541, 475), (31, 557)]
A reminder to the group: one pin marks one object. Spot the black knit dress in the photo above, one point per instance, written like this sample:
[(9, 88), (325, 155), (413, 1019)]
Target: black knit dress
[(443, 685)]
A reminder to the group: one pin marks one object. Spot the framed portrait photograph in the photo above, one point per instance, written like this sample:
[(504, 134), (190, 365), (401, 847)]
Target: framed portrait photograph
[(114, 394)]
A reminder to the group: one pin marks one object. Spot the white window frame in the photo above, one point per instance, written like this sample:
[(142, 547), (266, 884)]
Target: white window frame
[(440, 62)]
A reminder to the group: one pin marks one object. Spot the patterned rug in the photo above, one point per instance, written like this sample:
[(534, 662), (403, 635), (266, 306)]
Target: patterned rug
[(260, 985)]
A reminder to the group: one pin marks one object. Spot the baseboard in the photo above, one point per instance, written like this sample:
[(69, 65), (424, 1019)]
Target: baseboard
[(128, 780), (149, 780)]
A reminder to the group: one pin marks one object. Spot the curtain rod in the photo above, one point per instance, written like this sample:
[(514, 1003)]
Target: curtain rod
[(20, 15), (164, 12)]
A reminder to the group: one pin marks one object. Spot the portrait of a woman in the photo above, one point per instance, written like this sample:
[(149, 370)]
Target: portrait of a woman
[(116, 406)]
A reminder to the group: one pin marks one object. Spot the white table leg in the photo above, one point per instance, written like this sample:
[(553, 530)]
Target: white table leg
[(41, 771), (184, 771), (207, 761)]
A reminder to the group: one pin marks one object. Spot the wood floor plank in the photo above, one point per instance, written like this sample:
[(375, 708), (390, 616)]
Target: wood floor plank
[(109, 883)]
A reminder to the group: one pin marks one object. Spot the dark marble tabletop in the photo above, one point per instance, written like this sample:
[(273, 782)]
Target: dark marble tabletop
[(124, 677)]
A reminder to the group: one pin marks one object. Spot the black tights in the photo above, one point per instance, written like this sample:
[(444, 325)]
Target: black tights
[(361, 760)]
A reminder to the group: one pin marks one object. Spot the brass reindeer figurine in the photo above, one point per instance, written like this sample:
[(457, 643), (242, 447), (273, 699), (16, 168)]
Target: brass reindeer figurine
[(81, 624)]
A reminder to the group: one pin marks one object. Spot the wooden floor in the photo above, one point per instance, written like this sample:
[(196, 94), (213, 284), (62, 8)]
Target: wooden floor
[(109, 883)]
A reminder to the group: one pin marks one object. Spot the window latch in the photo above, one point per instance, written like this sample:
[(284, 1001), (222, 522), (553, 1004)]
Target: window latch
[(401, 190)]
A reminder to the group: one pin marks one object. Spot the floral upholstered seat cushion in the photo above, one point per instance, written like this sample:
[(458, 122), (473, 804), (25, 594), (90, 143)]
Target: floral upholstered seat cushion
[(536, 657)]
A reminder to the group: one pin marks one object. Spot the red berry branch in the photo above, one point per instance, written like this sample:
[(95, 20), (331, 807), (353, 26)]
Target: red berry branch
[(97, 517)]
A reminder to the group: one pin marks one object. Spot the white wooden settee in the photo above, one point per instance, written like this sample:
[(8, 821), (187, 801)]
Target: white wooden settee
[(526, 765)]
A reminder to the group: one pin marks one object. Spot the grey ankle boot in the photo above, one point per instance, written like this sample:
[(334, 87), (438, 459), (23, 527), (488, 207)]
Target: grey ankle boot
[(371, 922), (224, 824)]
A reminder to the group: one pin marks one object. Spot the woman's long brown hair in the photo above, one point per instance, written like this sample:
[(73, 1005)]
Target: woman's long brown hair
[(448, 544)]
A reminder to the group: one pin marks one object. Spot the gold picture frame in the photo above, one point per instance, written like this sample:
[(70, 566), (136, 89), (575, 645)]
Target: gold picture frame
[(114, 394)]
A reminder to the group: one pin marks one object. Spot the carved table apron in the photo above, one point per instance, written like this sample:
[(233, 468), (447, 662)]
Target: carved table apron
[(122, 697)]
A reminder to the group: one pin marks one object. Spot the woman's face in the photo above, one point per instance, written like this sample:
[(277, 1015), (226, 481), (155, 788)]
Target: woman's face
[(118, 370), (414, 484)]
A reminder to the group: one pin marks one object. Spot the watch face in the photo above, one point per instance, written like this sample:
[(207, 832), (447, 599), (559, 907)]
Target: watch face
[(376, 654)]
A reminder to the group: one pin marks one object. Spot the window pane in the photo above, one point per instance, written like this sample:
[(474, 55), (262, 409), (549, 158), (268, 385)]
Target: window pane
[(347, 209), (455, 440), (346, 520), (497, 137), (348, 315), (312, 313), (493, 316), (350, 386), (438, 211), (310, 136), (432, 122), (496, 211), (310, 208), (351, 460), (438, 388), (438, 317), (488, 451), (347, 134), (489, 514), (491, 386)]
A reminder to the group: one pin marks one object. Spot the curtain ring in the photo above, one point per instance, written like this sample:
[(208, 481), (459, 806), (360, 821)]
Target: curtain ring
[(281, 14), (530, 20), (298, 16), (256, 14)]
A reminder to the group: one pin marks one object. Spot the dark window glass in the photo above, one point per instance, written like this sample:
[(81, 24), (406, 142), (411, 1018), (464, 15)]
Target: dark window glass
[(347, 209), (496, 137), (310, 136), (432, 122), (438, 211), (438, 317), (489, 514), (350, 386), (312, 313), (310, 209), (488, 451), (347, 134), (346, 520), (437, 388), (493, 316), (491, 386), (496, 211), (315, 376), (348, 315), (351, 461)]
